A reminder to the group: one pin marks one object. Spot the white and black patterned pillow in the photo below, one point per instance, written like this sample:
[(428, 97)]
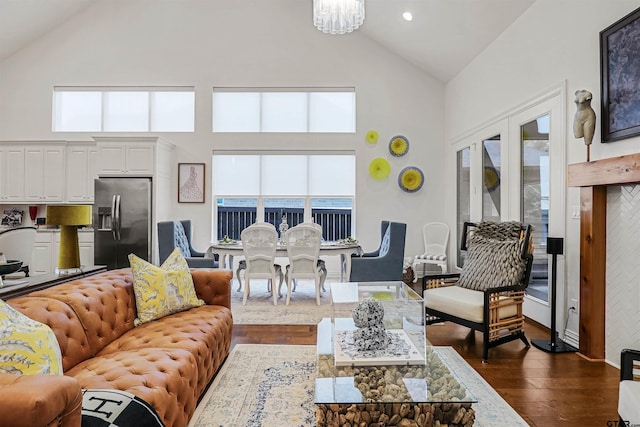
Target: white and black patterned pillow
[(491, 264), (115, 408), (492, 230)]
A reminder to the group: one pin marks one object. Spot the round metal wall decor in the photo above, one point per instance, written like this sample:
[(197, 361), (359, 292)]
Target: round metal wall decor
[(411, 179), (399, 146)]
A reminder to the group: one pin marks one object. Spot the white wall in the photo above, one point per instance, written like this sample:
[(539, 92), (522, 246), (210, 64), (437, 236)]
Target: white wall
[(206, 43), (554, 42)]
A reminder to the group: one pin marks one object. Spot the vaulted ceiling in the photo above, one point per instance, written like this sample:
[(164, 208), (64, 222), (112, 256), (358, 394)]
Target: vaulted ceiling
[(443, 37)]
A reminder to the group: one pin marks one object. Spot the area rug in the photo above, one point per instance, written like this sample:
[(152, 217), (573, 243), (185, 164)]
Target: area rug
[(260, 310), (273, 385)]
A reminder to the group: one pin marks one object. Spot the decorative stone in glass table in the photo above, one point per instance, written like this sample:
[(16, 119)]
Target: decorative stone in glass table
[(421, 394)]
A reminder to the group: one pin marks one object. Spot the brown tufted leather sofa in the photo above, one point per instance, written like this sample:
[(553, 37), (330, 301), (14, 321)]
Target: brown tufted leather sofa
[(167, 362)]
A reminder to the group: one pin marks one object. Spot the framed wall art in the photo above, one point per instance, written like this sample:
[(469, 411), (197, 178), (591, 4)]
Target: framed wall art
[(190, 182), (620, 78)]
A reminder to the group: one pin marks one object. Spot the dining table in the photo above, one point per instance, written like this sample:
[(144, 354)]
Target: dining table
[(226, 251)]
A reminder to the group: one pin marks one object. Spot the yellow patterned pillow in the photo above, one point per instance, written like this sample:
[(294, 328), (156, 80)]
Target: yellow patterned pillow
[(26, 346), (163, 290)]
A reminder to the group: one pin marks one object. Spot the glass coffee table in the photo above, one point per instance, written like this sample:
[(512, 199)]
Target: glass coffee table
[(413, 388)]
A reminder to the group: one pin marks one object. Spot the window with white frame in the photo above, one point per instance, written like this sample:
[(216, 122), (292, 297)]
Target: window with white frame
[(284, 110), (296, 186), (123, 109)]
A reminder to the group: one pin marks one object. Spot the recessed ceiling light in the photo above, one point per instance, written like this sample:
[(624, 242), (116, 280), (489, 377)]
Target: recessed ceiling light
[(407, 16)]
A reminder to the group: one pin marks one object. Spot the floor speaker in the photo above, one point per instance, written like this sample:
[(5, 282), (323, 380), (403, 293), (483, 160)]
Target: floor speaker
[(554, 345)]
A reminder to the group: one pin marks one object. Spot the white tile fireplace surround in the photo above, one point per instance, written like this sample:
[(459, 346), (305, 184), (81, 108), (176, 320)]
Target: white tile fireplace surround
[(622, 315)]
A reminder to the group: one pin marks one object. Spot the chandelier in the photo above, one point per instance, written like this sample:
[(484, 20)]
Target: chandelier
[(338, 16)]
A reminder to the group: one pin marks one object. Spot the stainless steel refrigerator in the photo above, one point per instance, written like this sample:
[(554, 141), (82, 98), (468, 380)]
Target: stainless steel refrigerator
[(122, 220)]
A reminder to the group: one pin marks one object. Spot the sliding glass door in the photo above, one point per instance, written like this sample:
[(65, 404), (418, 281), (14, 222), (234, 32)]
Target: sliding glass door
[(463, 198), (491, 178), (504, 172), (538, 198), (534, 208)]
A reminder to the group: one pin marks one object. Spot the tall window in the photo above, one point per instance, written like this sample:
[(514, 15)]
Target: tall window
[(284, 110), (491, 169), (123, 109), (535, 145), (299, 187), (463, 195)]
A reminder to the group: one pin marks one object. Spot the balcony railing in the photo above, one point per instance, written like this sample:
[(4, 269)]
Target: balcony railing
[(335, 223)]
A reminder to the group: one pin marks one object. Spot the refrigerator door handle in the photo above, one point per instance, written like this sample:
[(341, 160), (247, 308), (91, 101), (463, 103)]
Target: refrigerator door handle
[(113, 216), (117, 218)]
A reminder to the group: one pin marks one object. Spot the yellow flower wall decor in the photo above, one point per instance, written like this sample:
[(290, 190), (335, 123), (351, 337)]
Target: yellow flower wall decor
[(371, 137), (399, 146), (411, 179), (379, 168)]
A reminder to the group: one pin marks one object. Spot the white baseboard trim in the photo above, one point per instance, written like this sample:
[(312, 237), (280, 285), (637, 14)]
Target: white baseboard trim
[(571, 338)]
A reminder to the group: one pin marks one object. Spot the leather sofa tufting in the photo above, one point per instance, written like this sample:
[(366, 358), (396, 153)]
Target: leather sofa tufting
[(167, 362)]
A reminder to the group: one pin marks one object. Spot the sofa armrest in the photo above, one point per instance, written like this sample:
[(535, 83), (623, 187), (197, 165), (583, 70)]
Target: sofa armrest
[(40, 400), (213, 285)]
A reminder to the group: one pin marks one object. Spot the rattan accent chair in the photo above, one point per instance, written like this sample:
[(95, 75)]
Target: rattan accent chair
[(487, 295)]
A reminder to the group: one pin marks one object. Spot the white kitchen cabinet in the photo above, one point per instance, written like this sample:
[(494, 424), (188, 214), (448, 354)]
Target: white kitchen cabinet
[(44, 257), (126, 157), (42, 261), (82, 170), (12, 173), (85, 245), (44, 175)]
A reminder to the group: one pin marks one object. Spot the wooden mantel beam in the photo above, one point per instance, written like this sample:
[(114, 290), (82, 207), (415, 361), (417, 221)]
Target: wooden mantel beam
[(612, 171), (593, 177)]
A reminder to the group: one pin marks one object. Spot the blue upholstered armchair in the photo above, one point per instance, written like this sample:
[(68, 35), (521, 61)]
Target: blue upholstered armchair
[(177, 234), (387, 261)]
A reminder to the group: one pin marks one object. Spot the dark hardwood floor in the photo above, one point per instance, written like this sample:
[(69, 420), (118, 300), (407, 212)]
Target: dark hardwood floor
[(545, 389)]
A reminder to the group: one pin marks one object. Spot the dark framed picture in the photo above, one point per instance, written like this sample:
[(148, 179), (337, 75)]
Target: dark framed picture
[(190, 182), (620, 78)]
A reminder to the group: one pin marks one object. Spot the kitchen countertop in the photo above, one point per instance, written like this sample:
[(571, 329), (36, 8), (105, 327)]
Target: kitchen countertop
[(50, 229), (16, 287), (42, 229)]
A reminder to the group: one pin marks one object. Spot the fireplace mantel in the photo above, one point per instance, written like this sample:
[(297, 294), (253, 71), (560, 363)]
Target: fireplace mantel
[(593, 178), (613, 171)]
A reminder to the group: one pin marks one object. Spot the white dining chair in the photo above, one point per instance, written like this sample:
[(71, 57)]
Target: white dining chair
[(259, 244), (436, 241), (322, 266), (303, 249)]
